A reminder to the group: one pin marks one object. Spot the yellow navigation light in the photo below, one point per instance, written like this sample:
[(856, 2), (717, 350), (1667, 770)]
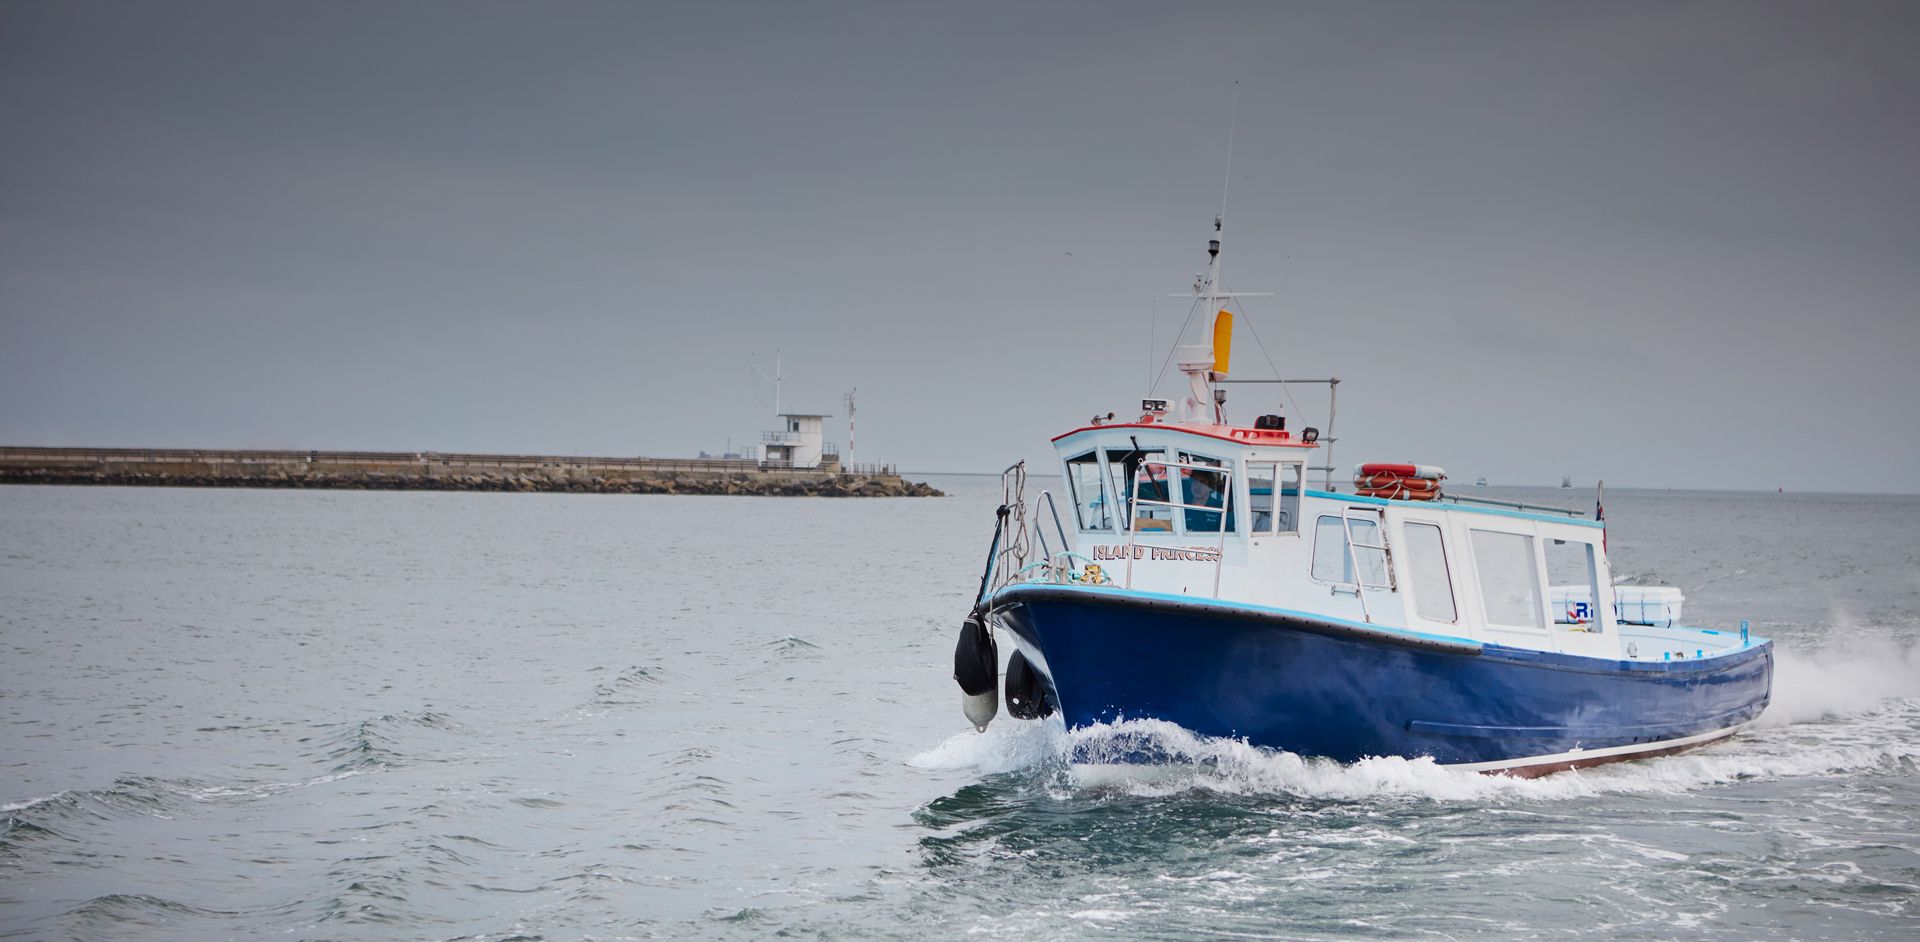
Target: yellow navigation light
[(1222, 342)]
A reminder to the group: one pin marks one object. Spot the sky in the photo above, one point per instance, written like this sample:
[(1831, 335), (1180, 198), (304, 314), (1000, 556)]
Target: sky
[(1664, 244)]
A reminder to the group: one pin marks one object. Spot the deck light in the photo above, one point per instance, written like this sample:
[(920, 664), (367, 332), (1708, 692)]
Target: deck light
[(1309, 434)]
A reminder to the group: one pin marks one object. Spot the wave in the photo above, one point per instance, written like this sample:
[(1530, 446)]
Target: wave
[(383, 742), (143, 910), (628, 687), (138, 795), (346, 750)]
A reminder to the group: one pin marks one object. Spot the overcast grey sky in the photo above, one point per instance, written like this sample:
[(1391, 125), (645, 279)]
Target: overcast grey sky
[(1664, 244)]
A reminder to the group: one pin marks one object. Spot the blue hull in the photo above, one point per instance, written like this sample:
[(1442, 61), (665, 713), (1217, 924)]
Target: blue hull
[(1320, 687)]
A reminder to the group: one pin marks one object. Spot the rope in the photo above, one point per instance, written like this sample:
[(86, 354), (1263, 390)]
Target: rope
[(1284, 391), (1182, 332), (993, 555)]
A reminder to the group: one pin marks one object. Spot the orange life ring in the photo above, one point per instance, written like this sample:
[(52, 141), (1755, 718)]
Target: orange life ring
[(1391, 481), (1426, 472), (1395, 493)]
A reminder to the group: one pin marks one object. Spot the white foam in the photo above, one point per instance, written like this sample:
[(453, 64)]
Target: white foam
[(30, 802), (262, 789), (1848, 679), (1229, 766), (1006, 746)]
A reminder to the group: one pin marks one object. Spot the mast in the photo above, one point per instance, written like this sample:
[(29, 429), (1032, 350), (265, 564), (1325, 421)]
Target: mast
[(1206, 361), (1197, 361)]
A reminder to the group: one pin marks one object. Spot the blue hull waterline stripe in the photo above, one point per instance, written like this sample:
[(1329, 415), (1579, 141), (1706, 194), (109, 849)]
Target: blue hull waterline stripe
[(1318, 686)]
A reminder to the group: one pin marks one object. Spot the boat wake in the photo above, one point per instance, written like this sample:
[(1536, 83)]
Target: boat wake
[(1859, 677)]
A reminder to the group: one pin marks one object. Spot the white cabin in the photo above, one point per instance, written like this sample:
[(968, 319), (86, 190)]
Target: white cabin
[(1219, 512), (800, 442)]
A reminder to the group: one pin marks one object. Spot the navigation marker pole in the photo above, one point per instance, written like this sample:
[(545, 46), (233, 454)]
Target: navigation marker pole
[(850, 426)]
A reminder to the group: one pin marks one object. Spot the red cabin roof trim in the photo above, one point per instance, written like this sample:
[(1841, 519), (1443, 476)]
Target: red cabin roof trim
[(1226, 433)]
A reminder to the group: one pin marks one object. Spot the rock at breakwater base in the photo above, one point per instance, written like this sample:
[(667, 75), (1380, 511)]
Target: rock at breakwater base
[(748, 484)]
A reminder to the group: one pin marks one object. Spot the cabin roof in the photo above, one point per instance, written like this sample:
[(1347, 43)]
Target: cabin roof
[(1239, 435), (1461, 506)]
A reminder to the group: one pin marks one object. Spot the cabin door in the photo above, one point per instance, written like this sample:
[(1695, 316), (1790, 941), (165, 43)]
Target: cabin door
[(1351, 556)]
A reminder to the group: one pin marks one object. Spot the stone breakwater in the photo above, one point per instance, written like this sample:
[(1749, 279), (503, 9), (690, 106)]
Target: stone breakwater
[(437, 472)]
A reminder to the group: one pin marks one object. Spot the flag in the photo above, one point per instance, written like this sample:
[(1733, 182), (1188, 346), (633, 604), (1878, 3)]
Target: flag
[(1600, 514)]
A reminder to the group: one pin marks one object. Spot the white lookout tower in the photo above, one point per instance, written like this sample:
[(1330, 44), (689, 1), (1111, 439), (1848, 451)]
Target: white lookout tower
[(798, 443)]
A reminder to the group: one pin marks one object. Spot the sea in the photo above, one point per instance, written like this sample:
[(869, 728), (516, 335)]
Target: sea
[(232, 714)]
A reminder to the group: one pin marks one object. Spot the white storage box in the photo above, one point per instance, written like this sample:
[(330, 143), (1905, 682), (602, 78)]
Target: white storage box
[(1655, 605)]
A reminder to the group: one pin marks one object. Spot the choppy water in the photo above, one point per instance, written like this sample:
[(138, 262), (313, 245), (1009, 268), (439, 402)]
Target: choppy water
[(234, 714)]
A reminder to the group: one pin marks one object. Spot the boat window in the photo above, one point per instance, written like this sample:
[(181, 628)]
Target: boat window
[(1122, 463), (1204, 489), (1332, 562), (1573, 583), (1090, 503), (1273, 496), (1432, 584), (1288, 518), (1509, 578), (1150, 486), (1260, 476)]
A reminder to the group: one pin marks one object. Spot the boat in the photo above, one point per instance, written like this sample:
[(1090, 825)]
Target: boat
[(1482, 482), (1566, 482), (1189, 573)]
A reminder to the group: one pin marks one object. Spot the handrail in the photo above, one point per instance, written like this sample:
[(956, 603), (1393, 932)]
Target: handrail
[(1360, 585), (1517, 505), (1013, 485), (1060, 530), (1327, 435)]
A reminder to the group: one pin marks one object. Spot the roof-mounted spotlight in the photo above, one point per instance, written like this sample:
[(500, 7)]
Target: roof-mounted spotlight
[(1309, 434)]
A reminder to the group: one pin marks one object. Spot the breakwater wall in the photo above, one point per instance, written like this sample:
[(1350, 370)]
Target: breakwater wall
[(380, 470)]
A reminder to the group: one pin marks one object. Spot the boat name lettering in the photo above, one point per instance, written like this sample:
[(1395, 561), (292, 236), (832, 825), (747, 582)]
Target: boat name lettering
[(1197, 554)]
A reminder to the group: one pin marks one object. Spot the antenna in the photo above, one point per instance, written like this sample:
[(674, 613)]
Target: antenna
[(1153, 327), (774, 379), (1233, 114)]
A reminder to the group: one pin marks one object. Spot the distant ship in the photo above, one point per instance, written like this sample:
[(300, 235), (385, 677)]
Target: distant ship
[(1480, 483), (1566, 482)]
